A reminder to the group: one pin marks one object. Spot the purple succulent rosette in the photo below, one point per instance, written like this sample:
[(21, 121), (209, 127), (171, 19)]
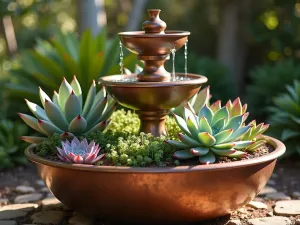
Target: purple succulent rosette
[(79, 152)]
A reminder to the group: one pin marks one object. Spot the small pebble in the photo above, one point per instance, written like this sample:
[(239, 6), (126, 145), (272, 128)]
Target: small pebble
[(3, 201), (258, 199), (40, 183), (79, 219), (267, 190), (16, 210), (44, 189), (277, 196), (8, 222), (275, 220), (296, 194), (24, 189), (48, 217), (28, 198), (257, 205), (234, 222), (50, 201), (271, 182)]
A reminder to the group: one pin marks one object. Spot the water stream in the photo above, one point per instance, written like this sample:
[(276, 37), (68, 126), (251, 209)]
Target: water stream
[(121, 58), (185, 58), (173, 51)]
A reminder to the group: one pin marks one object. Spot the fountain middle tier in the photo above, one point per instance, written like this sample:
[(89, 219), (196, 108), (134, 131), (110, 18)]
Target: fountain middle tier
[(152, 100)]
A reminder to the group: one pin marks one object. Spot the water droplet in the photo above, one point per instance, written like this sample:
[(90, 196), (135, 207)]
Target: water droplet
[(185, 57), (173, 51), (121, 59)]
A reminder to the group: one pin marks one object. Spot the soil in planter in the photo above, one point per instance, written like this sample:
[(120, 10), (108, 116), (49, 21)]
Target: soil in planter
[(263, 150)]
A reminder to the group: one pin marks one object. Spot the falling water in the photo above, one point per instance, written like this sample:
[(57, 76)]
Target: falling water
[(121, 58), (185, 58), (173, 63)]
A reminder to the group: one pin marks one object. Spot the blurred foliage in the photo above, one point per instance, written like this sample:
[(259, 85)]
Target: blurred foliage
[(218, 75), (285, 118), (65, 56), (274, 30), (269, 81), (11, 146)]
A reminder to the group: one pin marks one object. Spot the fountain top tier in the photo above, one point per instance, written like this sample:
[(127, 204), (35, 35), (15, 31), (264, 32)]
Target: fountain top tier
[(153, 46), (152, 93)]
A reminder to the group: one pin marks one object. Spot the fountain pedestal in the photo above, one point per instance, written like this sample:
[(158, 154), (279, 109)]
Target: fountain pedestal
[(153, 122), (153, 93)]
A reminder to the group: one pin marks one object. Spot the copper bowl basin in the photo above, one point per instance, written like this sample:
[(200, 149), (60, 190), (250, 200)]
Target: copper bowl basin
[(175, 195), (141, 43), (152, 96)]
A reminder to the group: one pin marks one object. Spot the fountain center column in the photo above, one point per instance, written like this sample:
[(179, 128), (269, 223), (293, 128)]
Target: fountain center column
[(153, 122)]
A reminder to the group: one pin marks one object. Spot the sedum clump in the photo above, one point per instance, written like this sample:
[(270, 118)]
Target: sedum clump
[(139, 150), (66, 114), (210, 131), (128, 122)]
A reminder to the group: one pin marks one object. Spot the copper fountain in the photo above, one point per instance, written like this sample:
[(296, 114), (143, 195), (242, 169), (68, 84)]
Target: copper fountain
[(154, 93), (171, 195)]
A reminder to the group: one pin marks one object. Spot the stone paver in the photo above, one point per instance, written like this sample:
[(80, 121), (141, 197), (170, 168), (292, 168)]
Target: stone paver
[(48, 217), (40, 183), (24, 189), (296, 194), (287, 208), (8, 222), (277, 196), (267, 190), (258, 199), (50, 201), (16, 210), (257, 205), (271, 182), (275, 220), (3, 201), (44, 189), (28, 198), (234, 222), (79, 219)]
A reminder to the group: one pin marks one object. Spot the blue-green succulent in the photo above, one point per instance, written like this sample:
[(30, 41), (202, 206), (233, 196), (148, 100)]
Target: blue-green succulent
[(209, 131), (66, 114)]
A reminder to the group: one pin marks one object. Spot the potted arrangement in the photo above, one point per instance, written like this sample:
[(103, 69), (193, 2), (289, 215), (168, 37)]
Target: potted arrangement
[(204, 162)]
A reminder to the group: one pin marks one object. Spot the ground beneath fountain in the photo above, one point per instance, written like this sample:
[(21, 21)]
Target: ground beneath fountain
[(24, 199)]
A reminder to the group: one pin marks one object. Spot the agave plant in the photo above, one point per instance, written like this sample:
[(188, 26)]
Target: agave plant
[(65, 113), (65, 55), (285, 118), (210, 131), (79, 152)]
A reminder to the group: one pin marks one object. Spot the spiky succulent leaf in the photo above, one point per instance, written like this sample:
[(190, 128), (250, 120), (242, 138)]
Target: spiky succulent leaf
[(209, 158), (72, 107), (219, 131), (89, 99), (64, 91), (183, 154), (53, 119)]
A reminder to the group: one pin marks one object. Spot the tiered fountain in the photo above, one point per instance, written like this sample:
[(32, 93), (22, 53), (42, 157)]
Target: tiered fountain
[(153, 92), (149, 195)]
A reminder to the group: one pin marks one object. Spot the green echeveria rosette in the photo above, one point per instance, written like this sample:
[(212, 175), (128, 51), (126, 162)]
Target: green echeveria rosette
[(66, 115), (215, 130)]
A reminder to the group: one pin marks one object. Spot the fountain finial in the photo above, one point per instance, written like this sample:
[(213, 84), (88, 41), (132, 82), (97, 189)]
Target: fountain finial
[(154, 24)]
